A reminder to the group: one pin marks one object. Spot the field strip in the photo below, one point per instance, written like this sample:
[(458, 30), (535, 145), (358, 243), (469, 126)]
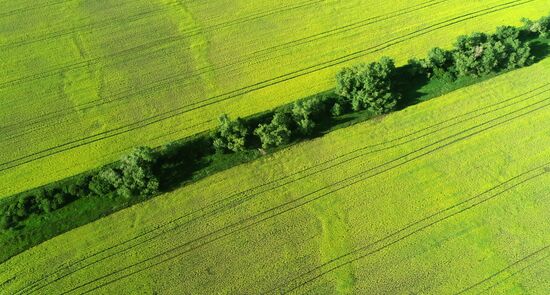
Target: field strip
[(122, 53), (198, 72), (516, 267), (115, 21), (246, 195), (34, 7), (178, 111), (109, 23), (318, 194), (410, 230)]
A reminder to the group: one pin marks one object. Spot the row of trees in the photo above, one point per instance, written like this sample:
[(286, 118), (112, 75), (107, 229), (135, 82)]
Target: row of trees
[(361, 87), (366, 86), (130, 177), (478, 54)]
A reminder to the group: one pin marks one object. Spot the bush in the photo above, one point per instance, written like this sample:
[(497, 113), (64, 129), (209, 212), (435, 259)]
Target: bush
[(336, 110), (138, 178), (230, 135), (479, 54), (106, 182), (439, 63), (368, 86), (540, 27), (275, 133), (304, 113), (133, 176)]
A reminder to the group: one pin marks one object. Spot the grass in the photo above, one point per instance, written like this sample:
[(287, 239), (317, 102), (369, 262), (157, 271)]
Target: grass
[(81, 83), (444, 196)]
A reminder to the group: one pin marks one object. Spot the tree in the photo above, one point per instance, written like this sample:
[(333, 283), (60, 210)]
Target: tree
[(439, 63), (304, 113), (133, 176), (230, 135), (540, 27), (106, 182), (337, 110), (369, 86), (138, 178), (480, 54), (275, 133)]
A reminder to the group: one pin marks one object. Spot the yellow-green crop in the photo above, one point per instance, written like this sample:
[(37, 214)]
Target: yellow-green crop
[(446, 196), (81, 82)]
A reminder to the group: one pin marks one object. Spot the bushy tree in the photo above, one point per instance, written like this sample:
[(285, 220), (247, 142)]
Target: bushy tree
[(540, 27), (439, 63), (8, 216), (106, 182), (275, 133), (138, 178), (369, 86), (480, 54), (304, 113), (337, 110), (230, 135), (133, 176)]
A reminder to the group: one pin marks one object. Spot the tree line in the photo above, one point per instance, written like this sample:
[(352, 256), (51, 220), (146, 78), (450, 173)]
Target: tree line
[(370, 87)]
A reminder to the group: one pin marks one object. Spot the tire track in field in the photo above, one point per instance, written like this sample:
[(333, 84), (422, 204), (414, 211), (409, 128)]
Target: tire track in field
[(112, 22), (209, 69), (136, 17), (218, 237), (34, 7), (511, 266), (278, 210), (183, 35), (182, 110), (241, 197), (408, 231)]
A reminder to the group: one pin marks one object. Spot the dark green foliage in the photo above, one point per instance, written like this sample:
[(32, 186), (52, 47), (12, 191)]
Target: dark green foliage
[(132, 177), (368, 86), (106, 182), (304, 113), (337, 110), (138, 178), (275, 133), (439, 63), (230, 135), (479, 54), (540, 27)]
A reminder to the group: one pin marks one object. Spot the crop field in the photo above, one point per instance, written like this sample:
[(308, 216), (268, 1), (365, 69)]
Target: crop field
[(81, 82), (447, 196)]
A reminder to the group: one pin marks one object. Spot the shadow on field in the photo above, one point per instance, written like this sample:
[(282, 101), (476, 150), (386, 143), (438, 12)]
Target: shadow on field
[(540, 50)]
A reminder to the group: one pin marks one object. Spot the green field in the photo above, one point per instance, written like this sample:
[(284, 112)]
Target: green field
[(83, 81), (447, 196)]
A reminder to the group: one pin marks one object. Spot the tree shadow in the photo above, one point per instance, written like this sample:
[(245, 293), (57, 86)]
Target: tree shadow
[(179, 160), (408, 82), (540, 50)]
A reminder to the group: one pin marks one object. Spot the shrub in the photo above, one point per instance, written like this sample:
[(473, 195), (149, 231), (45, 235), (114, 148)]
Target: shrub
[(439, 63), (540, 27), (133, 176), (336, 110), (304, 113), (275, 133), (105, 182), (138, 178), (369, 86), (230, 135)]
